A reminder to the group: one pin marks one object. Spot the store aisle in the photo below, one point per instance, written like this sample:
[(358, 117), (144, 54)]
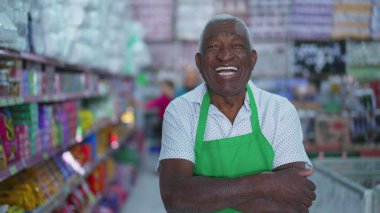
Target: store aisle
[(145, 195)]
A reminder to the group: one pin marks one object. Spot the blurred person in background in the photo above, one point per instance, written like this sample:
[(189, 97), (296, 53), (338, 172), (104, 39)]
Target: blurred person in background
[(190, 81), (227, 145), (161, 102)]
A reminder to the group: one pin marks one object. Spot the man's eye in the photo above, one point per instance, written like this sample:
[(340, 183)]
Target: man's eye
[(240, 46), (211, 46)]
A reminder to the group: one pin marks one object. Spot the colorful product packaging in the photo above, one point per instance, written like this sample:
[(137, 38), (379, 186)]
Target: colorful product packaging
[(7, 135), (22, 136)]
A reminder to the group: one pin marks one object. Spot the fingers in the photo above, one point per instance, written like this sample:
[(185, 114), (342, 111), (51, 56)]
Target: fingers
[(305, 172), (304, 209), (310, 185)]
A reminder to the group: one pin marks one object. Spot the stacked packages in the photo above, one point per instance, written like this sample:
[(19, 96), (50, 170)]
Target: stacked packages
[(156, 17), (311, 19), (269, 19), (352, 19), (188, 26)]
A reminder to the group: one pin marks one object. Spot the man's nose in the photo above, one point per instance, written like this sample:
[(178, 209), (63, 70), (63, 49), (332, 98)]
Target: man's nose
[(225, 54)]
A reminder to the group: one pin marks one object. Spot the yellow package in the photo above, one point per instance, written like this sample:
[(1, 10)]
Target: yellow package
[(3, 156), (15, 209)]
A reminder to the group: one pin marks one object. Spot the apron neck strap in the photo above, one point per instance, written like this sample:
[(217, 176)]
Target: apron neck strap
[(205, 105), (203, 117), (254, 114)]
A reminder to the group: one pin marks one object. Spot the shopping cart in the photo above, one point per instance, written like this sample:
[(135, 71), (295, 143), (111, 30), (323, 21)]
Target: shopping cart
[(347, 185)]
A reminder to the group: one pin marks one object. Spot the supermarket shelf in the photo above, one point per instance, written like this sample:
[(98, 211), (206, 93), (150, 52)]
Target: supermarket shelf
[(23, 164), (14, 54), (92, 205), (12, 101), (56, 200)]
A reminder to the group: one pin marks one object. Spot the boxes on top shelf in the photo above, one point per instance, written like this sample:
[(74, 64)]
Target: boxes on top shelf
[(311, 20), (352, 20), (187, 26), (269, 19), (156, 17), (375, 20)]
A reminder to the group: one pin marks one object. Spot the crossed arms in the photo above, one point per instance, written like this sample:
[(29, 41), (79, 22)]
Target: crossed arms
[(285, 190)]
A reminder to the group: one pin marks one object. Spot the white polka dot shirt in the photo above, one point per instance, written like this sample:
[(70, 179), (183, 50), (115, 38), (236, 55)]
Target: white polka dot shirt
[(279, 122)]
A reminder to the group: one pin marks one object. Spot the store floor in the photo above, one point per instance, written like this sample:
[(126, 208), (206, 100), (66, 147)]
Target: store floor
[(145, 195)]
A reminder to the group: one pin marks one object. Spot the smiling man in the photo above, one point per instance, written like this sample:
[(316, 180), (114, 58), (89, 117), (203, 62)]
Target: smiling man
[(227, 145)]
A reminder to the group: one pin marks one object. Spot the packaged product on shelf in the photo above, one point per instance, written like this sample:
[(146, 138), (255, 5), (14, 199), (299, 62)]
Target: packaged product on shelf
[(269, 19), (3, 156), (34, 80), (103, 141), (4, 82), (189, 27), (314, 58), (92, 142), (375, 86), (156, 17), (352, 20), (80, 197), (332, 132), (15, 209), (118, 192), (48, 81), (34, 186), (45, 123), (28, 114), (20, 190), (66, 170), (110, 169), (375, 22), (7, 134), (22, 136), (86, 119), (76, 152), (311, 20)]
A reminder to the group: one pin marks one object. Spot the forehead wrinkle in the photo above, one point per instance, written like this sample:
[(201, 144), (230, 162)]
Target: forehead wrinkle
[(234, 35), (226, 27)]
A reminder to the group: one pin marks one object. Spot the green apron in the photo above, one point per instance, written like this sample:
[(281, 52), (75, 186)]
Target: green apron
[(232, 157)]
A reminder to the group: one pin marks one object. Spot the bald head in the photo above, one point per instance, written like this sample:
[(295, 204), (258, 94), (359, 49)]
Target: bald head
[(225, 18)]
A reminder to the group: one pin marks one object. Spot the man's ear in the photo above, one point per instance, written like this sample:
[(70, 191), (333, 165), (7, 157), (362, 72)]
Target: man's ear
[(253, 57), (198, 61)]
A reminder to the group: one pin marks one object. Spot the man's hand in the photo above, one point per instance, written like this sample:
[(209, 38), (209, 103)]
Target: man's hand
[(289, 191), (268, 205)]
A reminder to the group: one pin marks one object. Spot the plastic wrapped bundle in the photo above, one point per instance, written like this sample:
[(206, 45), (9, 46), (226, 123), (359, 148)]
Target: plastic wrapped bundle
[(352, 19), (311, 19)]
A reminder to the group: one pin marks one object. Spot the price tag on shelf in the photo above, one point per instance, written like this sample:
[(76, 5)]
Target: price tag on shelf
[(46, 98), (3, 102), (12, 170)]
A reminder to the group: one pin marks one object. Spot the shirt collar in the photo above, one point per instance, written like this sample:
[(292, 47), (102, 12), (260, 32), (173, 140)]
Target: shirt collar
[(199, 91)]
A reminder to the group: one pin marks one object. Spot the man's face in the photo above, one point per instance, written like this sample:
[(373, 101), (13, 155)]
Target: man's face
[(226, 60)]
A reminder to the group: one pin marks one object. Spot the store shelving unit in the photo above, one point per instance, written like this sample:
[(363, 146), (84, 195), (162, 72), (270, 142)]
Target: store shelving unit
[(23, 164), (12, 101), (57, 200), (7, 101)]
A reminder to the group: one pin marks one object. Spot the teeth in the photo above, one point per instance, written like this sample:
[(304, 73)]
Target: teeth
[(226, 73), (226, 68)]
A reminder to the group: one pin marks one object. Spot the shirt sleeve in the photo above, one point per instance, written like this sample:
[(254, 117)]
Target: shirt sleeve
[(177, 139), (288, 139)]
